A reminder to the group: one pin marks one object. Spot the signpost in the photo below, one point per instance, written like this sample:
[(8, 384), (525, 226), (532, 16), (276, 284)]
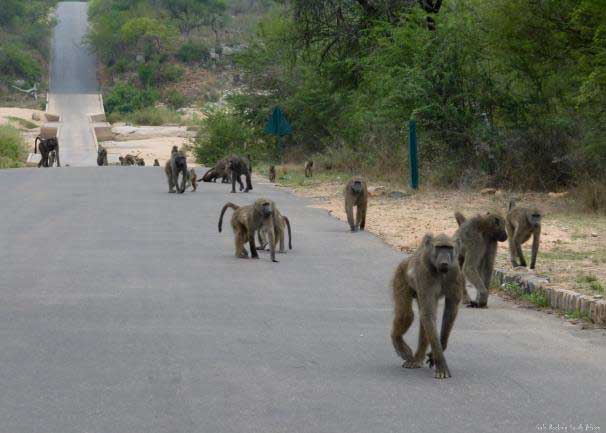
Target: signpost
[(278, 125), (412, 154)]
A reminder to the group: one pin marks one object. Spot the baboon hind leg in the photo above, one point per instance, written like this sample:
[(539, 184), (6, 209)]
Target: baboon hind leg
[(536, 239), (350, 217), (451, 309), (361, 216), (471, 272), (404, 317), (427, 310), (518, 241)]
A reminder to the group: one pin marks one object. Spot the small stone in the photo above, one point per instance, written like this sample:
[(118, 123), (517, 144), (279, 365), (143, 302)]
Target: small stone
[(488, 191), (594, 235)]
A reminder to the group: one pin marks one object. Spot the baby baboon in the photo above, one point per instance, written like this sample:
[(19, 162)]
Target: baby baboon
[(522, 223), (175, 165), (192, 179), (356, 194), (52, 156), (101, 156), (156, 163), (46, 146), (430, 273), (476, 241), (258, 216), (272, 173), (309, 168), (237, 167), (281, 222)]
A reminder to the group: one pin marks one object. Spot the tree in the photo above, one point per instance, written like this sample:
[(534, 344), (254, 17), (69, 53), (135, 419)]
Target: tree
[(193, 14)]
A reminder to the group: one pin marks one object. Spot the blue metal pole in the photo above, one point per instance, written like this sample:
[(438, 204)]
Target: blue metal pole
[(412, 154)]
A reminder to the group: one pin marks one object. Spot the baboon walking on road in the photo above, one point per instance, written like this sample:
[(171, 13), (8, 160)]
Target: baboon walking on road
[(175, 165), (46, 146), (192, 179), (476, 241), (246, 220), (430, 273), (522, 223), (356, 194), (101, 156), (237, 167), (281, 223), (272, 173), (309, 165)]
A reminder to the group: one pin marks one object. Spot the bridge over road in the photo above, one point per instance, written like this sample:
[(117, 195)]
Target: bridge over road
[(123, 310)]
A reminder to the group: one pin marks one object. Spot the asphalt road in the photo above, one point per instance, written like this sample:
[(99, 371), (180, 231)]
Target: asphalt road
[(123, 310), (74, 90)]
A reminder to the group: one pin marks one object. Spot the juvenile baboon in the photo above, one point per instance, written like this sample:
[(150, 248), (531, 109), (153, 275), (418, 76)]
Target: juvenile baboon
[(356, 194), (281, 222), (46, 146), (52, 157), (476, 241), (522, 223), (101, 156), (139, 161), (219, 170), (175, 165), (192, 179), (309, 168), (156, 163), (272, 173), (246, 220), (237, 167), (430, 273)]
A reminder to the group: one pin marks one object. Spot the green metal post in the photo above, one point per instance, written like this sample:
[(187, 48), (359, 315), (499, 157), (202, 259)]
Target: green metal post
[(412, 154)]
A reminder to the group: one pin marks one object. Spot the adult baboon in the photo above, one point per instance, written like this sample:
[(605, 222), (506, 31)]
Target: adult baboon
[(192, 179), (476, 240), (356, 194), (246, 220), (430, 273), (238, 166), (281, 222), (219, 170), (128, 159), (101, 156), (156, 163), (46, 146), (272, 173), (175, 165), (309, 168), (523, 222)]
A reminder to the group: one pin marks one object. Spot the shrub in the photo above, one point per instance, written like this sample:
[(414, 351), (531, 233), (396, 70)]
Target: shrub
[(592, 195), (191, 52), (126, 98), (12, 149), (16, 62), (175, 99), (153, 116), (169, 73)]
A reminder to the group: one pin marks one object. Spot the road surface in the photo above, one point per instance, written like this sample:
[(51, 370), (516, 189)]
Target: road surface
[(74, 92), (123, 310)]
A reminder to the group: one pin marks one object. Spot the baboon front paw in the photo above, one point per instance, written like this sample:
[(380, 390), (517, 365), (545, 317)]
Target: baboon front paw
[(442, 372), (275, 261), (413, 363), (353, 229), (474, 304)]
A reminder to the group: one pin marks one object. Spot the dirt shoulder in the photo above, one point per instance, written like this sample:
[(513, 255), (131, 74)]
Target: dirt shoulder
[(573, 244)]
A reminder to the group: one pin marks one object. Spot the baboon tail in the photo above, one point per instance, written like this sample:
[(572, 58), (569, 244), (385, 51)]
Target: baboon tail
[(289, 233), (512, 204), (227, 205), (460, 218)]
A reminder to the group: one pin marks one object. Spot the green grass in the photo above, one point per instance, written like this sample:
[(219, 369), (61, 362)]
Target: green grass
[(590, 282), (12, 149), (537, 298), (597, 256), (24, 123), (295, 176), (150, 116), (577, 314)]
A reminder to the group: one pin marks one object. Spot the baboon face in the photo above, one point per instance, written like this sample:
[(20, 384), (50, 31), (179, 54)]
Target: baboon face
[(266, 209), (534, 218), (180, 161), (441, 253), (498, 227), (356, 186)]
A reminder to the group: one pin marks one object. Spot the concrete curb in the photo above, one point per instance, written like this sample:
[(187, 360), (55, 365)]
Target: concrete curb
[(559, 299)]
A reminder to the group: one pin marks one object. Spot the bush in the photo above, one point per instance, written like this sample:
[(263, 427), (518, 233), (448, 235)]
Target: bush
[(153, 116), (191, 52), (16, 62), (175, 99), (592, 195), (12, 149), (169, 73), (126, 98)]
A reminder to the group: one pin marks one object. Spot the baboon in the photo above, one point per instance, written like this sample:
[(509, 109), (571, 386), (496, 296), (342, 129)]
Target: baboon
[(128, 159), (156, 163), (272, 173), (309, 168), (430, 273), (219, 170), (258, 216), (192, 179), (52, 156), (46, 146), (175, 165), (237, 167), (356, 194), (476, 241), (522, 223), (281, 222), (139, 161), (101, 156)]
